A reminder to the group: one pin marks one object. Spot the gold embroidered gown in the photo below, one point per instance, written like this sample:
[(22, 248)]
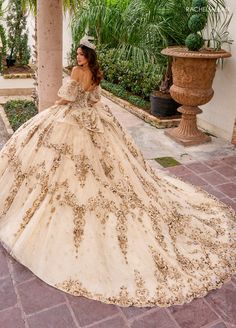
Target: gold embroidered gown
[(83, 210)]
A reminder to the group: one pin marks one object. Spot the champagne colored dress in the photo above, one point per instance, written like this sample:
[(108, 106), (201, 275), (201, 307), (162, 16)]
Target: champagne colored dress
[(83, 210)]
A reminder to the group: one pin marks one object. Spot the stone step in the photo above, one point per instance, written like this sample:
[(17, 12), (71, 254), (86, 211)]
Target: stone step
[(15, 87), (16, 91)]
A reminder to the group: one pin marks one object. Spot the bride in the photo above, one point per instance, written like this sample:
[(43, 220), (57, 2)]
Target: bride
[(83, 210)]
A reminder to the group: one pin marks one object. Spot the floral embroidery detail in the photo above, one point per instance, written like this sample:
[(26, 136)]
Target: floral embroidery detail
[(121, 229), (153, 213), (82, 167), (91, 120), (124, 297), (102, 207), (30, 212), (42, 135), (79, 213), (30, 134), (141, 292), (107, 165), (74, 287), (94, 96)]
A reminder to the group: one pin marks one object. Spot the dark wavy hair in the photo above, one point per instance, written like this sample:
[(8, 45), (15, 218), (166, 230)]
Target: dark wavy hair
[(93, 64)]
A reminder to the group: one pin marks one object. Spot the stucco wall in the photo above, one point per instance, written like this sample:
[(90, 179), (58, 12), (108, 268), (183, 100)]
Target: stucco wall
[(67, 39), (219, 114)]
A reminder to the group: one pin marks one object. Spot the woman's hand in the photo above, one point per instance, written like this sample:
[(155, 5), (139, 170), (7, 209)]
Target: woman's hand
[(61, 102), (58, 102)]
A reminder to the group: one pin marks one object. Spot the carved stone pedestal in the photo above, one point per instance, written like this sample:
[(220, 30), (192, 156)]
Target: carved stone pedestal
[(187, 133)]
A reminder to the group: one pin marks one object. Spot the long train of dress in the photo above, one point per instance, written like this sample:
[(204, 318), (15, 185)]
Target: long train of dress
[(83, 210)]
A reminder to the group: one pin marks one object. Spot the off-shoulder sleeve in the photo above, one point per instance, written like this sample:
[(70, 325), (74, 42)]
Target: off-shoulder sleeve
[(69, 90), (94, 95)]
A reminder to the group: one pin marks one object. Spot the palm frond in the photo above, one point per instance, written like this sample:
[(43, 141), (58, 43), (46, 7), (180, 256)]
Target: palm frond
[(219, 19), (68, 5)]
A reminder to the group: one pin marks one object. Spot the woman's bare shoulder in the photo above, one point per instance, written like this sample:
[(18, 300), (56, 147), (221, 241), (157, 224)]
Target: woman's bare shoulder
[(76, 73), (76, 68)]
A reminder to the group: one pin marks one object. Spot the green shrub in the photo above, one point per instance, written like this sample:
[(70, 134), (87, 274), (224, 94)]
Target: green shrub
[(120, 92), (194, 42), (4, 46), (197, 22), (17, 33), (19, 111), (198, 4), (136, 80)]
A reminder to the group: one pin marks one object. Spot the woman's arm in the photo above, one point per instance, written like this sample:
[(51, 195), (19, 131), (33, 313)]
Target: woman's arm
[(74, 77), (62, 101)]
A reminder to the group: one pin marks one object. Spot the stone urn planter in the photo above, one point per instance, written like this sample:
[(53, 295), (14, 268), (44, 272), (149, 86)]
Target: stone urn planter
[(193, 74)]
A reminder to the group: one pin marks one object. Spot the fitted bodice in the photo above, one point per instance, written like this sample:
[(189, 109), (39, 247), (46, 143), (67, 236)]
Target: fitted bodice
[(74, 92), (84, 108)]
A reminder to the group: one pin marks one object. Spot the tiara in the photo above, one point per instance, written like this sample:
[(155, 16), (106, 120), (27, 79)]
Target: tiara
[(85, 41)]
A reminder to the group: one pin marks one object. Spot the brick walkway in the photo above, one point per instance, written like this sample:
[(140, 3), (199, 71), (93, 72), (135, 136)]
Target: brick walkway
[(27, 302), (217, 176)]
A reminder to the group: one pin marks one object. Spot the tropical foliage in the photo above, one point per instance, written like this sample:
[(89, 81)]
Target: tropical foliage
[(1, 13), (29, 5), (140, 81), (2, 39), (68, 5), (209, 24), (139, 29), (17, 34), (217, 33), (121, 92)]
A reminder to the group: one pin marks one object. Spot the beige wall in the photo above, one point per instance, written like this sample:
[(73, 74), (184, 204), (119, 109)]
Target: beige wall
[(67, 39), (219, 114)]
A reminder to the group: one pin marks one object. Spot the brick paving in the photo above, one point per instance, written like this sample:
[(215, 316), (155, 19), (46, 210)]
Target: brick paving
[(216, 177), (27, 302)]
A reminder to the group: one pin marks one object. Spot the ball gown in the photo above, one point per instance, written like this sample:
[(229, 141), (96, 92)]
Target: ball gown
[(82, 209)]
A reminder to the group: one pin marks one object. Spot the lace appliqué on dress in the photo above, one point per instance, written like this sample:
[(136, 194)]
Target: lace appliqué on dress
[(94, 96)]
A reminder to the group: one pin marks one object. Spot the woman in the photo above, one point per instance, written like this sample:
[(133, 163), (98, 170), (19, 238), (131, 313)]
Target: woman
[(83, 210)]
